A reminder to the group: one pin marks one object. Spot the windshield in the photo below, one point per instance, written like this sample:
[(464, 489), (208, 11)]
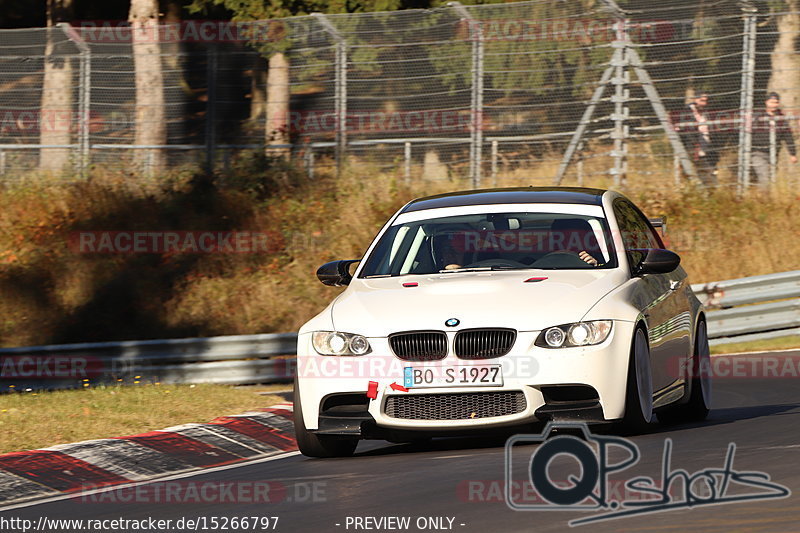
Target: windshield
[(492, 241)]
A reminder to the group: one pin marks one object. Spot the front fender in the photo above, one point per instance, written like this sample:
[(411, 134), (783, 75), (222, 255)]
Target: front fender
[(619, 304)]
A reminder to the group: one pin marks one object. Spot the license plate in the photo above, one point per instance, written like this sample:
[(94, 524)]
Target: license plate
[(477, 375)]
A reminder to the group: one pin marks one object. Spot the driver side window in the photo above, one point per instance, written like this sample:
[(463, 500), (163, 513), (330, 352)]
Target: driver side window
[(636, 232)]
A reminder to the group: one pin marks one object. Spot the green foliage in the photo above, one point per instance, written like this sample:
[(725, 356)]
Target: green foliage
[(263, 10)]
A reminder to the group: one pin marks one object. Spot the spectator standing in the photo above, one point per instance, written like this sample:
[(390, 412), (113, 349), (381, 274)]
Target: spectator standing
[(769, 126), (695, 132)]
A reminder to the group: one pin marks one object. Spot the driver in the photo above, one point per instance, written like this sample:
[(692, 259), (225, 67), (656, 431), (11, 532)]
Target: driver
[(576, 235), (446, 257)]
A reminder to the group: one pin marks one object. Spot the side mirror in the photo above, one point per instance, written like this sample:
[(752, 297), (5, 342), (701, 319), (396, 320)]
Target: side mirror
[(658, 261), (336, 273)]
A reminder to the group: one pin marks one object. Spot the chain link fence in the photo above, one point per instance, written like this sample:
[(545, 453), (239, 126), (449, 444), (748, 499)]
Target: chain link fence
[(568, 92)]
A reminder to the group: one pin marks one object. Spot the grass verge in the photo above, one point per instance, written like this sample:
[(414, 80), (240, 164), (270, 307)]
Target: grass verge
[(55, 292), (41, 419), (783, 343)]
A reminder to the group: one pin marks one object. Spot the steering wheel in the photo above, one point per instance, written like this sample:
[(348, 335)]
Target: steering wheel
[(497, 262), (561, 259)]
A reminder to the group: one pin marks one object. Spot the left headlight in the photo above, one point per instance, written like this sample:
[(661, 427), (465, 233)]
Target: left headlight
[(576, 334), (339, 343)]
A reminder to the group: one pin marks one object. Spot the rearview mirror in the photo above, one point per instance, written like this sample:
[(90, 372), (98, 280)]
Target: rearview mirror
[(336, 273), (658, 261)]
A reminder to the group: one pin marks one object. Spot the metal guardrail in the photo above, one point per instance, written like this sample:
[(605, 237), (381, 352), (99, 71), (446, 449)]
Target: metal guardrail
[(235, 359), (752, 308), (739, 310), (749, 290)]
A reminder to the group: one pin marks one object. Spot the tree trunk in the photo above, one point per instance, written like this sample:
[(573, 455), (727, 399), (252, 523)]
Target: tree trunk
[(786, 61), (150, 111), (277, 125), (55, 119)]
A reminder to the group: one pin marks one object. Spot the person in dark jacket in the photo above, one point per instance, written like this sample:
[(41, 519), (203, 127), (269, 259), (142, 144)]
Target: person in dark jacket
[(765, 122), (695, 132)]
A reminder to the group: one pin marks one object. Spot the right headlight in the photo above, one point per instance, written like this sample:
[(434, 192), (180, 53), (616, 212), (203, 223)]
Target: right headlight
[(338, 343), (575, 334)]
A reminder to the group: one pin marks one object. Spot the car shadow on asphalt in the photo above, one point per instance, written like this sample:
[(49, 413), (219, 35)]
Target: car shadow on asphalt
[(715, 418)]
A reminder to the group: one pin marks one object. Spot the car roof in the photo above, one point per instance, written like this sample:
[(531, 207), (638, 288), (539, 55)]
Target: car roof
[(516, 195)]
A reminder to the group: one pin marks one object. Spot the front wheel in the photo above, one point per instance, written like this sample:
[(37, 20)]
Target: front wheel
[(639, 388), (313, 445)]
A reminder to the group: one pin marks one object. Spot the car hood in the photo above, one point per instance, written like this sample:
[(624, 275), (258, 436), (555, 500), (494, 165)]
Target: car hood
[(381, 306)]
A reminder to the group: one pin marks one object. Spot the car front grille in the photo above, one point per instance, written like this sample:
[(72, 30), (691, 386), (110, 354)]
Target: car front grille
[(458, 406), (419, 345), (484, 343)]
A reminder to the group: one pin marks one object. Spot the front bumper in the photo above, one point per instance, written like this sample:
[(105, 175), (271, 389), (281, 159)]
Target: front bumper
[(527, 369)]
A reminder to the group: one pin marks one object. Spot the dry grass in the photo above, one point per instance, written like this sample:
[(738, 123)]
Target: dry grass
[(36, 420), (783, 343), (53, 294)]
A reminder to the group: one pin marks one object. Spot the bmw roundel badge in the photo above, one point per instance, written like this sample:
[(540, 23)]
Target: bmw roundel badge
[(452, 322)]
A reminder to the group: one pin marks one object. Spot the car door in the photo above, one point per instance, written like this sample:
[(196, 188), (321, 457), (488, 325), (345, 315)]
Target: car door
[(661, 298)]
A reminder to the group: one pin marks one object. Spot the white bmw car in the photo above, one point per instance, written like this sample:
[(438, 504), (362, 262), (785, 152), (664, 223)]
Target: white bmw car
[(491, 309)]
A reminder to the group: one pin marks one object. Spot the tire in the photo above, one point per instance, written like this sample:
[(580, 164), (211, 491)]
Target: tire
[(639, 387), (698, 385), (313, 445)]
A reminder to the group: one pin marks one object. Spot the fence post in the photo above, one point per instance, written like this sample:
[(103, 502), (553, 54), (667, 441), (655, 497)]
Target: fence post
[(621, 96), (773, 151), (494, 162), (84, 96), (676, 170), (211, 106), (407, 162), (340, 89), (476, 100), (746, 102)]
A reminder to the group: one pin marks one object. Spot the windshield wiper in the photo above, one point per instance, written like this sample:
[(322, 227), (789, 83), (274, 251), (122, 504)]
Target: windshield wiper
[(481, 269)]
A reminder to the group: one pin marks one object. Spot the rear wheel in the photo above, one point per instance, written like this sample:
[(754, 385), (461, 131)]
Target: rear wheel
[(313, 445), (639, 392), (698, 385)]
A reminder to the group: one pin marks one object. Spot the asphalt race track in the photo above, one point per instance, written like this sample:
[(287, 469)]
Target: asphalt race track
[(462, 480)]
